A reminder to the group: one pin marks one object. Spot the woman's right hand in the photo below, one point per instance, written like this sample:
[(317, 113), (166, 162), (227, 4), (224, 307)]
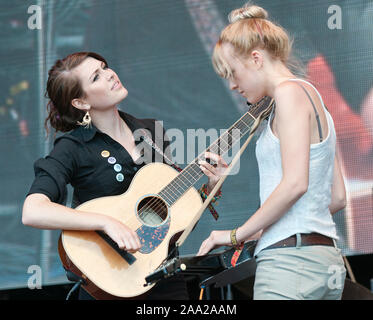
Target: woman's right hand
[(123, 236), (39, 212)]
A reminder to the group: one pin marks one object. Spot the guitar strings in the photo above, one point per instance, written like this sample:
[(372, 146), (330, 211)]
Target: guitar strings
[(199, 172), (156, 203), (159, 202), (221, 140)]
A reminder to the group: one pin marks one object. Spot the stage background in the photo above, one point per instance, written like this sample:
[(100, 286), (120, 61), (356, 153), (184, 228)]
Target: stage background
[(161, 51)]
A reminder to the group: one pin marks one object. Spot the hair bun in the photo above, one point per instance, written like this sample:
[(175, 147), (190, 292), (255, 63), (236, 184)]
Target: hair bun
[(248, 11)]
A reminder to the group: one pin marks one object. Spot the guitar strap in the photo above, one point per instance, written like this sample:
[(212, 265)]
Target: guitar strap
[(150, 142)]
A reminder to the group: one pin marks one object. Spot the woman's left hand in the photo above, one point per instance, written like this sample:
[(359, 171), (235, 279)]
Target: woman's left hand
[(216, 239), (213, 172)]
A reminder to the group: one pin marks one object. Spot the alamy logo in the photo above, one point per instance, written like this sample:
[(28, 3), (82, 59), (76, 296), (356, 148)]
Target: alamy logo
[(34, 281), (35, 20), (335, 20), (335, 280)]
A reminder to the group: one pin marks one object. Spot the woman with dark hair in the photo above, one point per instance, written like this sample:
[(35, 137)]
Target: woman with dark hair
[(301, 183), (98, 155)]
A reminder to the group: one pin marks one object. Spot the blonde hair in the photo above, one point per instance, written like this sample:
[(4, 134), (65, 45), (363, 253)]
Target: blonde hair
[(249, 29)]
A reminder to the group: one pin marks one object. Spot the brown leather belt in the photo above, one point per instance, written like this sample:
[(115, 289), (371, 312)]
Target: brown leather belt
[(307, 239)]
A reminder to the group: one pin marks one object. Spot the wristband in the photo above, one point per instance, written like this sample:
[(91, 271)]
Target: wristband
[(233, 238)]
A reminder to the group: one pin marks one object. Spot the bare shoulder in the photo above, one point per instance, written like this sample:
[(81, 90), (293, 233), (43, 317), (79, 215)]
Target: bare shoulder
[(290, 99)]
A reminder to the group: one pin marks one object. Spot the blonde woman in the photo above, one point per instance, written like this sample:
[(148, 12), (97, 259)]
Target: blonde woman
[(301, 185)]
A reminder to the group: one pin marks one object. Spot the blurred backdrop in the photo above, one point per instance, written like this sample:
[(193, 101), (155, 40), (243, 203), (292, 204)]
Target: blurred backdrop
[(161, 51)]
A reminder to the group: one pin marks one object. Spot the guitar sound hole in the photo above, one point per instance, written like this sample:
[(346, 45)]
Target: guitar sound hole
[(152, 211)]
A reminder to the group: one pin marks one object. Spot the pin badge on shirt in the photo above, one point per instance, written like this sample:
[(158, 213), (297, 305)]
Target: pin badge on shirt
[(120, 177), (111, 160), (117, 167), (105, 153)]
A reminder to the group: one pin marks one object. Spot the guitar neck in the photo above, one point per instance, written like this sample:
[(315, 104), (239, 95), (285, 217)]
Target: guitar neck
[(192, 173)]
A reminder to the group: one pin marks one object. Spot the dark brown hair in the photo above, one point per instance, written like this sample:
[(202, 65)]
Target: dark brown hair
[(62, 87)]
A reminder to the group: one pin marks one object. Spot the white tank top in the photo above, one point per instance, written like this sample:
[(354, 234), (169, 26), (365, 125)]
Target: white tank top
[(311, 212)]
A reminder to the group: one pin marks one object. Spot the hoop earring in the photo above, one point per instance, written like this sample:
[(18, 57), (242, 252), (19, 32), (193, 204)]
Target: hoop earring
[(86, 123)]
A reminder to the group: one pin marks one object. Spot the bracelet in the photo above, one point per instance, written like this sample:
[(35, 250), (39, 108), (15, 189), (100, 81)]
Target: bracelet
[(204, 194), (238, 247), (233, 238)]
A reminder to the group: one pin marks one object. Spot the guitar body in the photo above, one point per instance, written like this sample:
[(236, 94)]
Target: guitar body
[(100, 264)]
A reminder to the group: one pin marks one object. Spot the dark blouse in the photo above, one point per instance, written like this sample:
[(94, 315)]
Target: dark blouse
[(93, 163), (97, 166)]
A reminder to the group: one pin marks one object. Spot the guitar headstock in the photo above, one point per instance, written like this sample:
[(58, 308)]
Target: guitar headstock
[(262, 108)]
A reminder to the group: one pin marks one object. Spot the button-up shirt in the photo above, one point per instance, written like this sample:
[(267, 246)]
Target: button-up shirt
[(92, 162)]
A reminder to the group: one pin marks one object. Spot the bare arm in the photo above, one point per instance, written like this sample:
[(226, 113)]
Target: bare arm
[(39, 212), (293, 129), (338, 201)]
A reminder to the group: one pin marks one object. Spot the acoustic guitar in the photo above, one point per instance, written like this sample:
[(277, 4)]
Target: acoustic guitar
[(159, 205)]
